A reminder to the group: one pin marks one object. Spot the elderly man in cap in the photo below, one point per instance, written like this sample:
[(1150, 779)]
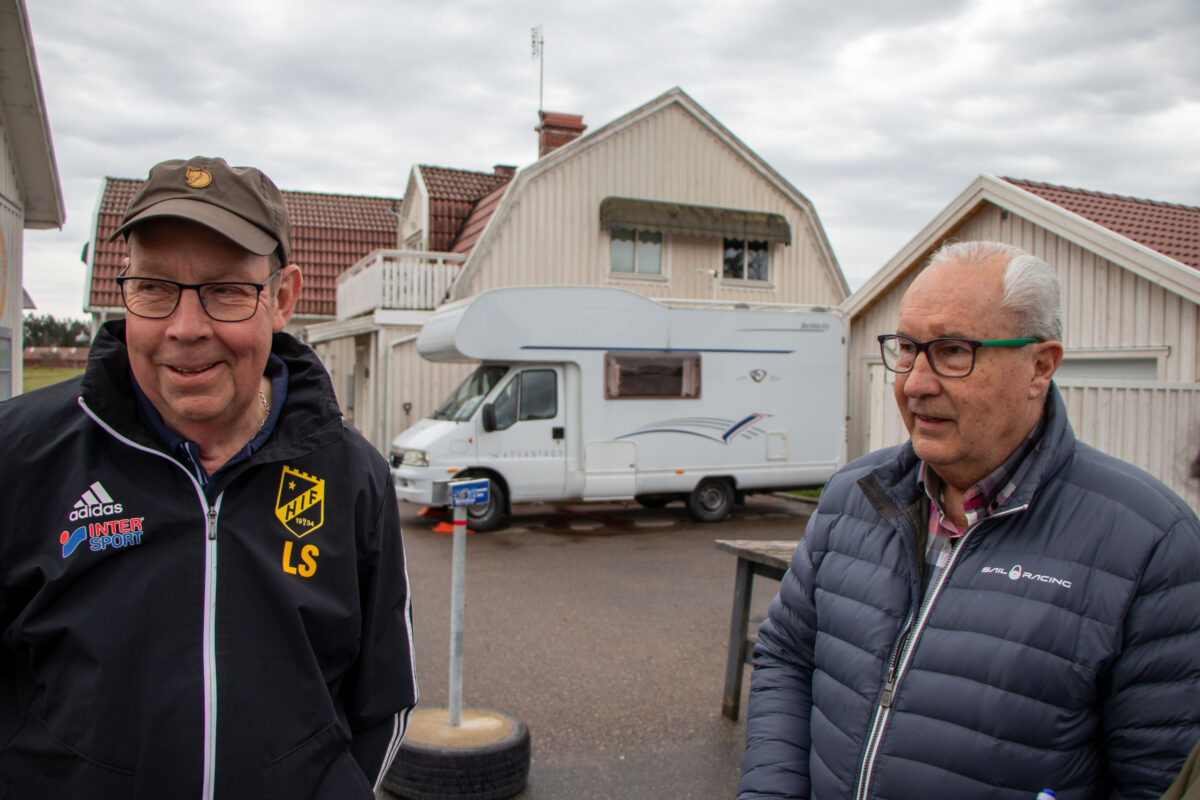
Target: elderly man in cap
[(993, 608), (202, 581)]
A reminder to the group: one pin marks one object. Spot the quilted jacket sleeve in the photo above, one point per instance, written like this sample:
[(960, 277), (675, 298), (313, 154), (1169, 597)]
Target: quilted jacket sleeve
[(1152, 709), (777, 723)]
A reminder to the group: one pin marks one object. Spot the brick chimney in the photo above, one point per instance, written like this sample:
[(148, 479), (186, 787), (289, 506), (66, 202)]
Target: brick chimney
[(504, 170), (554, 130)]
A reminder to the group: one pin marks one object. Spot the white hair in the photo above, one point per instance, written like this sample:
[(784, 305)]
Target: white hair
[(1031, 287)]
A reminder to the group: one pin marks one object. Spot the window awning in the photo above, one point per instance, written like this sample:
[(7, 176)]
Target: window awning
[(683, 219)]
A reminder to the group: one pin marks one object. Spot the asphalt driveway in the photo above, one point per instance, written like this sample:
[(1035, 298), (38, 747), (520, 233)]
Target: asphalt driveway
[(604, 628)]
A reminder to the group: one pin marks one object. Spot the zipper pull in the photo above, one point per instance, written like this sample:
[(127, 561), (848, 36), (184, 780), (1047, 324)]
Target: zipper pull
[(885, 700), (212, 522)]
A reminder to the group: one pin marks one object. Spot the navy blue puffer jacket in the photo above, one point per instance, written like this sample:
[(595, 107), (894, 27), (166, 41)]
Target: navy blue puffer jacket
[(1060, 650)]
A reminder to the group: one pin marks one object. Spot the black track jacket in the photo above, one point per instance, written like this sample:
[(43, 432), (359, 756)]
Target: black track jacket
[(158, 643)]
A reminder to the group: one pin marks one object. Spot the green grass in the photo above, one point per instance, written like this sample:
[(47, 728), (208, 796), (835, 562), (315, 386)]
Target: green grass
[(37, 377), (813, 493)]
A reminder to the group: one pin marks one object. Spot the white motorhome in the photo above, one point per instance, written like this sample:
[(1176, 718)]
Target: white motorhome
[(592, 393)]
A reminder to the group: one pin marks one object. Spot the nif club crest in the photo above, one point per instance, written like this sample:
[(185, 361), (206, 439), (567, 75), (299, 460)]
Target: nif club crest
[(301, 502)]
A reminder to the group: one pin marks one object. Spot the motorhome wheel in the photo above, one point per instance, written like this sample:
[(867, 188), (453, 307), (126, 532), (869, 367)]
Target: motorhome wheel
[(711, 500), (488, 516)]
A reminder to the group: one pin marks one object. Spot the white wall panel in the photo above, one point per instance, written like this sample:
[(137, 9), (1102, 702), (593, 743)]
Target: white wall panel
[(12, 225)]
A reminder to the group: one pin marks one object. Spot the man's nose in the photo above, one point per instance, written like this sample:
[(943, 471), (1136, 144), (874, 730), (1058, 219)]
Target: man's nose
[(190, 320), (922, 380)]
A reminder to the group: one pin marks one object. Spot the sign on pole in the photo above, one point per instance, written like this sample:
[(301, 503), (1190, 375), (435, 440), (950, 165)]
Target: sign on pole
[(462, 495)]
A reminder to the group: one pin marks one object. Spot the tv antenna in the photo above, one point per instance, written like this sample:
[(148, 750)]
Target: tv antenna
[(539, 48)]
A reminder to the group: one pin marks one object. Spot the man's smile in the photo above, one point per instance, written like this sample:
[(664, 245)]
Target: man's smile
[(192, 370)]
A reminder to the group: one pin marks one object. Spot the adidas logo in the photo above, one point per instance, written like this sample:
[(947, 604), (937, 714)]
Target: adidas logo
[(95, 502)]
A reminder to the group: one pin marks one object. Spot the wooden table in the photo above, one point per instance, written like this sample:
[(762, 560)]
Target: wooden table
[(755, 557)]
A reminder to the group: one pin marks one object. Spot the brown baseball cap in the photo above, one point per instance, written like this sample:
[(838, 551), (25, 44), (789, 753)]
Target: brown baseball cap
[(240, 203)]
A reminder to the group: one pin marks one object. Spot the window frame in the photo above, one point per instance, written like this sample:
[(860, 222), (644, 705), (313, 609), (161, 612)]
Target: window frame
[(516, 383), (745, 248), (636, 272), (617, 362)]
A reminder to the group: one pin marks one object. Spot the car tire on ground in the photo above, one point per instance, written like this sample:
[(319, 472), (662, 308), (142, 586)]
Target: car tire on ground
[(491, 770), (490, 515), (711, 500)]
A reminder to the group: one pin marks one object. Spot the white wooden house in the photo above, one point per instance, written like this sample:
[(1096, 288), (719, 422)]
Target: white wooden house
[(30, 193), (1130, 274), (664, 201)]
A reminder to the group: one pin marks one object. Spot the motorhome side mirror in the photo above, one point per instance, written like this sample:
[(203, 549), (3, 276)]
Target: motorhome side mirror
[(487, 415)]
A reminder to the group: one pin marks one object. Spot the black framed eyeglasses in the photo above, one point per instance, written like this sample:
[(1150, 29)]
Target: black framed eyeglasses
[(949, 357), (223, 301)]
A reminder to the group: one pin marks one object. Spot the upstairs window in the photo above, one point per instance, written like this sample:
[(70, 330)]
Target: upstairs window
[(746, 259), (636, 252)]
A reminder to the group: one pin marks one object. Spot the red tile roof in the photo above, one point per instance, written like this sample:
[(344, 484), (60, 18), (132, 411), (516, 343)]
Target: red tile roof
[(453, 194), (330, 232), (1167, 228), (477, 220)]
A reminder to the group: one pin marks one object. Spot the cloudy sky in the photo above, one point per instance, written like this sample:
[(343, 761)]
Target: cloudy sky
[(879, 111)]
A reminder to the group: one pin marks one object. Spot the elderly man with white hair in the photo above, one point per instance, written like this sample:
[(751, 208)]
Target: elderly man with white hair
[(992, 608)]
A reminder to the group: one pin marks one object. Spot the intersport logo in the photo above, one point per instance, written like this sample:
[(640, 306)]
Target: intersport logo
[(1018, 573)]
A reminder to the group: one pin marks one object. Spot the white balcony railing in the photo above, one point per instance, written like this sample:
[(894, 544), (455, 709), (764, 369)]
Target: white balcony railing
[(396, 279)]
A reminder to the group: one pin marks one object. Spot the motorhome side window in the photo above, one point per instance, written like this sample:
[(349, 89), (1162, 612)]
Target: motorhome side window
[(533, 394), (638, 252), (651, 374), (746, 259)]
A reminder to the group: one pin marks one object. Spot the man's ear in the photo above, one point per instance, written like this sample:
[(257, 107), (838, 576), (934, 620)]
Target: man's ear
[(1047, 357), (286, 296)]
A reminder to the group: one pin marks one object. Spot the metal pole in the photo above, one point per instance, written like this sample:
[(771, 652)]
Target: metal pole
[(457, 584)]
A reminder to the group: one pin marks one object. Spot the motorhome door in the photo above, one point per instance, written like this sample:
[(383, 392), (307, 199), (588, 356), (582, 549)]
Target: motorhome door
[(527, 444)]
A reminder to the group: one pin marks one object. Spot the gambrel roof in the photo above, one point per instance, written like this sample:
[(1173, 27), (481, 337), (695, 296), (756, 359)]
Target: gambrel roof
[(676, 97)]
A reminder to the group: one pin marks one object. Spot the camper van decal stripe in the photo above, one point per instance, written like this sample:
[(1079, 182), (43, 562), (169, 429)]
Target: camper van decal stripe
[(652, 349), (714, 428), (742, 426)]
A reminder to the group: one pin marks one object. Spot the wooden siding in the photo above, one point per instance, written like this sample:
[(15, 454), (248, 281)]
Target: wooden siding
[(423, 383), (1155, 426), (416, 213), (552, 235), (12, 225), (414, 380), (1104, 306), (870, 403)]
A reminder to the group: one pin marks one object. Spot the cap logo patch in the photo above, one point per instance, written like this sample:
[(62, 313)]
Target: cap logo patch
[(198, 178)]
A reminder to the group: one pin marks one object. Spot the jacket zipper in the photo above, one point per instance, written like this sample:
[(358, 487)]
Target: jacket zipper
[(904, 647), (209, 657), (209, 634)]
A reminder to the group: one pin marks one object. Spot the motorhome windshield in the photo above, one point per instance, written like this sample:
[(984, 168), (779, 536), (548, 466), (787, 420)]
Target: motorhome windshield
[(463, 401)]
